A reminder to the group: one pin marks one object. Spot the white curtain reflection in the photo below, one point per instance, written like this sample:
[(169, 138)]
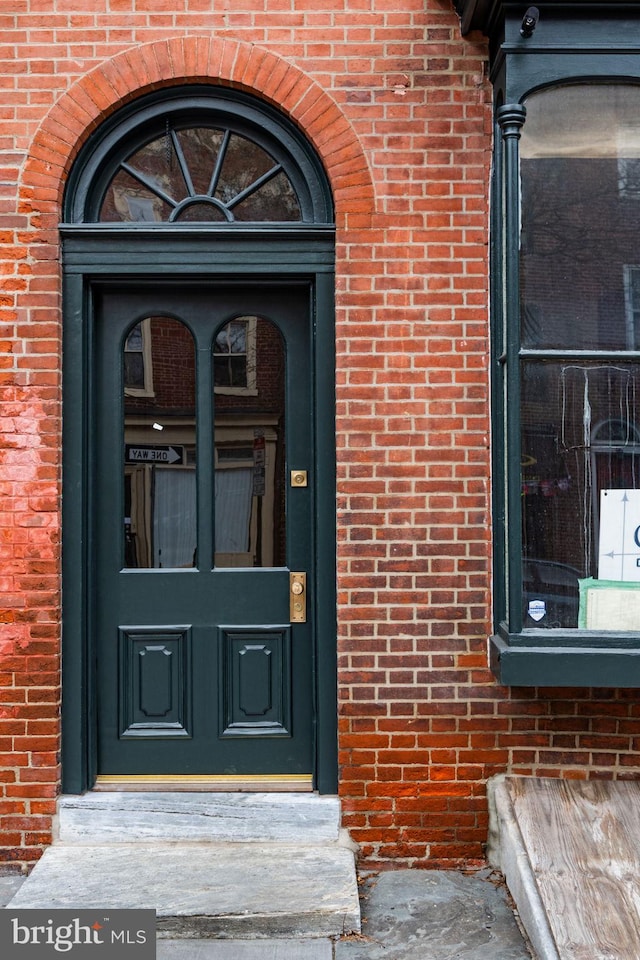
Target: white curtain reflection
[(174, 517), (233, 509)]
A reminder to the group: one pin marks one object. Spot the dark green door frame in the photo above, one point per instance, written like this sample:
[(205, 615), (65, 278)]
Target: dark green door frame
[(99, 254)]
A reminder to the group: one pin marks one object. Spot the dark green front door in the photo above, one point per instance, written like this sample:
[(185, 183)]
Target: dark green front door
[(202, 531)]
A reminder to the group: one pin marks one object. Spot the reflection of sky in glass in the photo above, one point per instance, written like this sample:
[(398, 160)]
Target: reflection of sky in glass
[(232, 338)]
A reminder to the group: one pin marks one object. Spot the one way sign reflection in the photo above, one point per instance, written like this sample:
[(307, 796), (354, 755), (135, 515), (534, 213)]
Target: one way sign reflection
[(144, 454)]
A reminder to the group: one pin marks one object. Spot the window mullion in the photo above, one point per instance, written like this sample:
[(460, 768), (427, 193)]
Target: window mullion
[(511, 117)]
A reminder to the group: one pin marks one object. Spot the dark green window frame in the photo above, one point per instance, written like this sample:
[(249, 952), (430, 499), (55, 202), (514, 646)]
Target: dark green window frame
[(572, 44)]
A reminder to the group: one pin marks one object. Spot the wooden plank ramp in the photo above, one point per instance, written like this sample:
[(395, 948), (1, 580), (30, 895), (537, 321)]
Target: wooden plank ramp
[(570, 851)]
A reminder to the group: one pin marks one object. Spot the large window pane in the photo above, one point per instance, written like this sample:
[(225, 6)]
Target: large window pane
[(579, 468), (580, 439), (580, 172)]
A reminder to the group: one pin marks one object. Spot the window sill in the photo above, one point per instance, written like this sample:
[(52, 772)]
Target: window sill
[(559, 658)]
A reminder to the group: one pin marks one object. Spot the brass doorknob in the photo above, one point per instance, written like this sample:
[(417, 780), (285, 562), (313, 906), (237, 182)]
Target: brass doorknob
[(297, 588)]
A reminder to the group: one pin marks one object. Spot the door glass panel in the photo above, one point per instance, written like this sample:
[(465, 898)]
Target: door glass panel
[(249, 399), (159, 385)]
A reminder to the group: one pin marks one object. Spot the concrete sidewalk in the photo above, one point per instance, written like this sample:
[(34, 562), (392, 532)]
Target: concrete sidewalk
[(407, 915), (435, 915)]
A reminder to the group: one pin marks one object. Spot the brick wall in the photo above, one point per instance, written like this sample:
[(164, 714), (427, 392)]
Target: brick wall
[(397, 105)]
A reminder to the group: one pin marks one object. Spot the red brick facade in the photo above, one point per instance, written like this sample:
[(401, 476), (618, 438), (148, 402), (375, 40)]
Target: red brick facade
[(398, 108)]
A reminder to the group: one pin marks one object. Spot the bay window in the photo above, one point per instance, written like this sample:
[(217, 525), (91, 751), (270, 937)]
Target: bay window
[(565, 327), (567, 372)]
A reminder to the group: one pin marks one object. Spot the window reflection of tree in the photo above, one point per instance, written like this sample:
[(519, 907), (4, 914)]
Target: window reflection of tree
[(579, 437)]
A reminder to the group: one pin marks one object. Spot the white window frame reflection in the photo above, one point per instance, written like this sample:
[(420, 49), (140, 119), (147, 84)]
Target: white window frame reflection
[(632, 305), (629, 177), (147, 361), (250, 389)]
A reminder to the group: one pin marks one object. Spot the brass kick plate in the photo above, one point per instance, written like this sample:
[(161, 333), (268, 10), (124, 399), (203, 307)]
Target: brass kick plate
[(299, 478), (298, 597), (194, 783)]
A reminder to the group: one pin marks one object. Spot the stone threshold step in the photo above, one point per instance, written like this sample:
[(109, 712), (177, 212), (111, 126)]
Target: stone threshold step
[(248, 817), (205, 889)]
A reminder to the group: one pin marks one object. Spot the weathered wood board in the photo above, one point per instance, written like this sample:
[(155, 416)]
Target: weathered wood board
[(583, 842)]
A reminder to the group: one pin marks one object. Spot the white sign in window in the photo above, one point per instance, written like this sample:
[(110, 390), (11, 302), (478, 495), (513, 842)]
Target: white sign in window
[(619, 548)]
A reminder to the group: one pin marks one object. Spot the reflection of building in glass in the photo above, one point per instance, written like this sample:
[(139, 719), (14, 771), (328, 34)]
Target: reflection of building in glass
[(575, 283), (200, 174), (161, 437), (580, 307)]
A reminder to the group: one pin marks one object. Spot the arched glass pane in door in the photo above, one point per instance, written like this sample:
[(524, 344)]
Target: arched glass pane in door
[(159, 467), (249, 398)]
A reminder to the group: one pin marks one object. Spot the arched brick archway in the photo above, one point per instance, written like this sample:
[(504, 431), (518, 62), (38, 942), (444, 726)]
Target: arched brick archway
[(183, 60), (293, 262), (41, 184)]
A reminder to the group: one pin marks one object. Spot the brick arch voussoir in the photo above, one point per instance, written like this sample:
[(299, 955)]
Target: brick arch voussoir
[(181, 60)]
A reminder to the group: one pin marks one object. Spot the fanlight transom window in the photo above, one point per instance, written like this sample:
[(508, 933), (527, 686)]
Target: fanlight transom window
[(196, 174)]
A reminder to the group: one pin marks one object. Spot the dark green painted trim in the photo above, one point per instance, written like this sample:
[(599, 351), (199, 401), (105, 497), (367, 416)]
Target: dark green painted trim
[(209, 230), (326, 618), (143, 252), (579, 639), (74, 707), (487, 15), (78, 720), (573, 42), (511, 118), (561, 666), (224, 232), (497, 379), (79, 716), (525, 76), (94, 254)]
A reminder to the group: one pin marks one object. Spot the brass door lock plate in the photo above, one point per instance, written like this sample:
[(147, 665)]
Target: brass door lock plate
[(298, 597), (299, 478)]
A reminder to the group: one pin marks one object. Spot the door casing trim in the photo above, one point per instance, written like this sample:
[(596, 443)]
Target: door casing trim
[(95, 256)]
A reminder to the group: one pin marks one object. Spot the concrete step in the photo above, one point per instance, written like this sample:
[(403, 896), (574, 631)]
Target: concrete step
[(238, 817), (569, 853), (238, 866)]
